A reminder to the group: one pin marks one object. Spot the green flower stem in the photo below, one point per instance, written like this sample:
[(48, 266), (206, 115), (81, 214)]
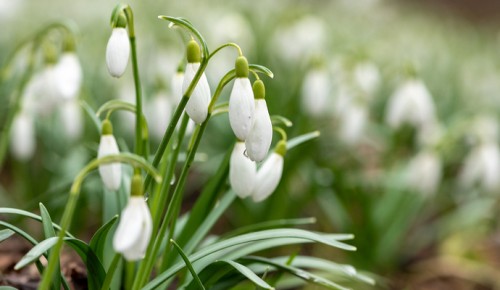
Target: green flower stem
[(138, 98), (158, 206), (240, 53), (73, 199), (111, 272), (176, 197), (175, 119)]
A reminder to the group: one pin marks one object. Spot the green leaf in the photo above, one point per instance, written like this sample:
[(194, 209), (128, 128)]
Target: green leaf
[(7, 288), (301, 139), (302, 274), (266, 239), (35, 253), (6, 210), (326, 265), (95, 270), (270, 225), (49, 232), (245, 271), (5, 234), (98, 241), (188, 264)]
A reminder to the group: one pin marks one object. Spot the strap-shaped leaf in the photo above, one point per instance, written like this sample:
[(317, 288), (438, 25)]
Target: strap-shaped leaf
[(7, 210), (95, 270), (49, 232), (5, 234), (245, 271), (302, 274), (188, 265), (35, 252), (98, 241), (267, 237)]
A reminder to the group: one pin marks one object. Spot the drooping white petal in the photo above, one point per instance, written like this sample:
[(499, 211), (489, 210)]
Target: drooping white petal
[(242, 171), (118, 52), (128, 232), (71, 119), (241, 108), (260, 137), (367, 77), (268, 177), (411, 103), (177, 82), (49, 93), (352, 123), (134, 230), (316, 92), (69, 74), (22, 137), (481, 167), (111, 174), (158, 113), (424, 173), (197, 106)]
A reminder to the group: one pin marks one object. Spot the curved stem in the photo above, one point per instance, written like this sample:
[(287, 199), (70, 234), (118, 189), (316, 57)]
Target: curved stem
[(240, 53), (281, 132)]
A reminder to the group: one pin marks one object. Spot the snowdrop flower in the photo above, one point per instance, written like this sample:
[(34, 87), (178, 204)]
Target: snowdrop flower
[(316, 92), (367, 77), (133, 233), (69, 74), (424, 172), (50, 92), (118, 49), (158, 113), (482, 167), (261, 134), (242, 171), (22, 136), (71, 119), (411, 103), (241, 101), (269, 174), (111, 173), (352, 123), (197, 106)]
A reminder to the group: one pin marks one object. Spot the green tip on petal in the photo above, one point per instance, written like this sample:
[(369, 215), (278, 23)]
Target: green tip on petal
[(281, 148), (121, 21), (241, 67), (193, 52), (259, 90), (136, 186), (107, 127)]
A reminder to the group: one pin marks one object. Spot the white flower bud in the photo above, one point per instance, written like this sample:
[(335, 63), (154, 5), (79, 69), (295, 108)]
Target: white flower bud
[(268, 177), (352, 124), (158, 113), (69, 74), (424, 173), (111, 173), (118, 52), (72, 119), (481, 167), (316, 92), (261, 135), (411, 103), (367, 77), (22, 137), (241, 108), (242, 171), (197, 106), (133, 233)]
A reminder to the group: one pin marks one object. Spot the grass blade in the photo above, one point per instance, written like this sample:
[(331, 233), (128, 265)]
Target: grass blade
[(245, 271), (5, 234), (188, 264)]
